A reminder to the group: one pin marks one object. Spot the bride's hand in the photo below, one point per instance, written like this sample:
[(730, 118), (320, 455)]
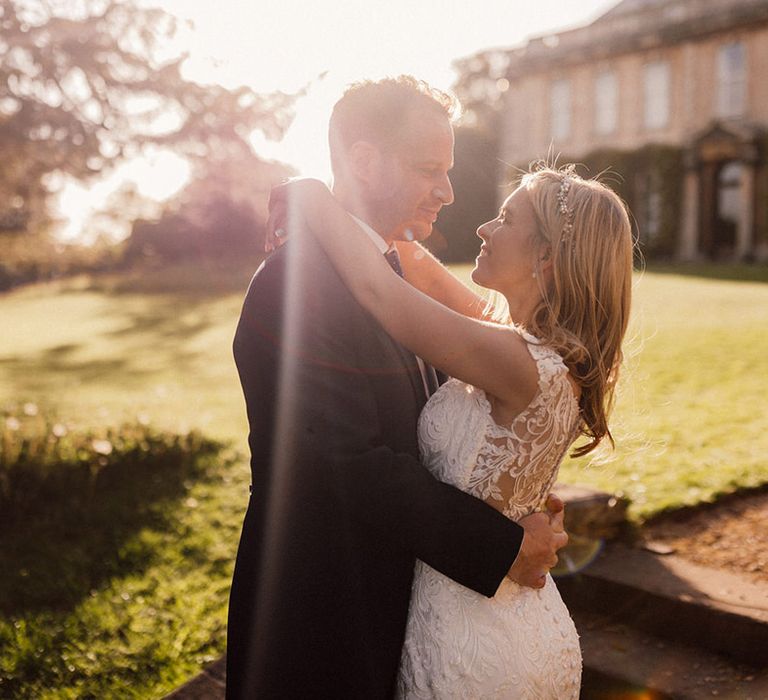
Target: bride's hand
[(275, 233), (290, 203)]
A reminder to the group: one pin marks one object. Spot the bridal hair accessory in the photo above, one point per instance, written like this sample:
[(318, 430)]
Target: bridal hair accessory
[(569, 175)]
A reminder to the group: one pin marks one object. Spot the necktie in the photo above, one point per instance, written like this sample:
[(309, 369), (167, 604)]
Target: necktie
[(394, 261), (428, 376)]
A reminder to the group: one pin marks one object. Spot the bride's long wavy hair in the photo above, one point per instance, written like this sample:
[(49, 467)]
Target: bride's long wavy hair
[(584, 309)]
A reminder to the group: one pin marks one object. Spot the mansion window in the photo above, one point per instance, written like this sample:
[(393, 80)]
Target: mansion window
[(560, 109), (606, 102), (731, 80), (656, 94)]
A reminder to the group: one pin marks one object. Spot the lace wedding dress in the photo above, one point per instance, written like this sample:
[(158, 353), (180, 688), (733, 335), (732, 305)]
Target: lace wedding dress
[(521, 643)]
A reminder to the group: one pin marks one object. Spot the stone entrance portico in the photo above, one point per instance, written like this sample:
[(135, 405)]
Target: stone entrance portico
[(719, 207)]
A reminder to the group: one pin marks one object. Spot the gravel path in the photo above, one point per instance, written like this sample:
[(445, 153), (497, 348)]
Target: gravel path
[(732, 535)]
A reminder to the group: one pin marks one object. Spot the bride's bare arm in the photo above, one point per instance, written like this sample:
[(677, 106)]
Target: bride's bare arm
[(425, 272), (491, 356)]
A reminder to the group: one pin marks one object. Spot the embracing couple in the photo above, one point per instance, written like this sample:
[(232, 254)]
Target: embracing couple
[(400, 529)]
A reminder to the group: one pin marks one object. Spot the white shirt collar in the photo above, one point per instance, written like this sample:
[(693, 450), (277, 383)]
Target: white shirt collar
[(381, 244)]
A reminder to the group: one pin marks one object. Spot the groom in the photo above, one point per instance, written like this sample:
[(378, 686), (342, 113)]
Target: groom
[(340, 505)]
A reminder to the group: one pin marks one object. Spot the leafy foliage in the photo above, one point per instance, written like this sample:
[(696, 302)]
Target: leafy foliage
[(480, 88), (44, 466), (25, 261), (109, 565), (653, 171), (761, 195), (219, 215), (84, 84), (476, 191)]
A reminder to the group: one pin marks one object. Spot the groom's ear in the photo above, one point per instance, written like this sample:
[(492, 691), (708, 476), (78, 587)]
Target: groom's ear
[(363, 161)]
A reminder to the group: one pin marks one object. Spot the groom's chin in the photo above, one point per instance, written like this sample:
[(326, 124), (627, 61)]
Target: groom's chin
[(416, 231)]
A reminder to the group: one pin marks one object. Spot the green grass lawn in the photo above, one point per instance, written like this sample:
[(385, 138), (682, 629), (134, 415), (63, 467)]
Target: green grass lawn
[(101, 358), (690, 420), (96, 358), (116, 586), (689, 425)]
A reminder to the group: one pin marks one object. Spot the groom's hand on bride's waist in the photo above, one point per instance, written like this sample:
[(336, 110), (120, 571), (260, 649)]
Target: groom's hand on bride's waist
[(544, 535)]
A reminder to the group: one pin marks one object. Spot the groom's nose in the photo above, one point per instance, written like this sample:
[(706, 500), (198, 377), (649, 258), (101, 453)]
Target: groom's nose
[(444, 191)]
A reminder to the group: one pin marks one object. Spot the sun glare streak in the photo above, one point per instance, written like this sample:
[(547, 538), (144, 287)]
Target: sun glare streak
[(283, 476), (305, 146)]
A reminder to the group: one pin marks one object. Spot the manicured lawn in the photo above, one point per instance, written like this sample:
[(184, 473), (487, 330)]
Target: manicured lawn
[(691, 420), (100, 358), (159, 612), (689, 425)]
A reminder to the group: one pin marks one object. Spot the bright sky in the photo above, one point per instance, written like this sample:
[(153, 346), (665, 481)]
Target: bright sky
[(286, 44)]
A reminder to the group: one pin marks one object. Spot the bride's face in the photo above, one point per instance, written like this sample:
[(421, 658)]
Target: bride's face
[(507, 258)]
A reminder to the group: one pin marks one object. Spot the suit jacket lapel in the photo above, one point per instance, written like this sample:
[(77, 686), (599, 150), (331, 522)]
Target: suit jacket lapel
[(414, 373), (433, 378), (411, 367)]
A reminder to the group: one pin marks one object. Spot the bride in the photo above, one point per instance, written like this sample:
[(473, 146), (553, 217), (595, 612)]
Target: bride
[(525, 386)]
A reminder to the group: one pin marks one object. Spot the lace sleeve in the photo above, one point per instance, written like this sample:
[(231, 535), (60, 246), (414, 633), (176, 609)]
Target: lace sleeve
[(517, 464)]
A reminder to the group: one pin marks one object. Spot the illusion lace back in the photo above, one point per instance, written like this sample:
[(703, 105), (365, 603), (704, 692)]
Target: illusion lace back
[(522, 642)]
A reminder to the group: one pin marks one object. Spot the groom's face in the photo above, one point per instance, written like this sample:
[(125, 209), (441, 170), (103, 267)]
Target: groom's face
[(412, 184)]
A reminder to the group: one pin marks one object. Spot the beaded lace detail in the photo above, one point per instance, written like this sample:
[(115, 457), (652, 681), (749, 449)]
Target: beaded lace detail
[(521, 643)]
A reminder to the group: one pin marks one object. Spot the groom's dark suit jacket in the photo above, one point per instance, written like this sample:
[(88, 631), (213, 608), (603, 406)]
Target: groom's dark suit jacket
[(340, 505)]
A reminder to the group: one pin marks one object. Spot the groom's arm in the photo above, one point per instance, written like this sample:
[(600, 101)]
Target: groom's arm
[(334, 430)]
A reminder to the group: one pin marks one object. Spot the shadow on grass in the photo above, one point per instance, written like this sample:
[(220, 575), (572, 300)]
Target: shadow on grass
[(164, 325), (62, 350), (713, 271), (204, 279), (87, 370), (59, 359), (56, 552), (166, 320)]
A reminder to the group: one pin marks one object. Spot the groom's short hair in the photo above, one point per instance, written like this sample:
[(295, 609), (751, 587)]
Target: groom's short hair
[(378, 111)]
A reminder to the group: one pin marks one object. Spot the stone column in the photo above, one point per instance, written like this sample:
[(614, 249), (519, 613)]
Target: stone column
[(745, 227), (688, 249)]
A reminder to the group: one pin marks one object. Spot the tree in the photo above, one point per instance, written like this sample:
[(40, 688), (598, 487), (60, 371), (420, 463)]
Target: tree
[(476, 192), (480, 88), (220, 215), (87, 83)]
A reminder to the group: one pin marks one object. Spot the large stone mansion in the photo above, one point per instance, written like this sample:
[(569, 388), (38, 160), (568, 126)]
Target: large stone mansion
[(672, 96)]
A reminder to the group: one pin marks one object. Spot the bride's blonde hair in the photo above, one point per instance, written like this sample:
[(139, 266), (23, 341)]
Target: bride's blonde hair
[(584, 310)]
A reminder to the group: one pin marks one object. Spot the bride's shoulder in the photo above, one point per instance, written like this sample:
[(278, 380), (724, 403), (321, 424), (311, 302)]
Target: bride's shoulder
[(537, 347), (549, 362)]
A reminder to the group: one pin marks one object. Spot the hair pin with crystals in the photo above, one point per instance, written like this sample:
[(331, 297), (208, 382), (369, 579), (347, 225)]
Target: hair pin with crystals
[(568, 176)]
